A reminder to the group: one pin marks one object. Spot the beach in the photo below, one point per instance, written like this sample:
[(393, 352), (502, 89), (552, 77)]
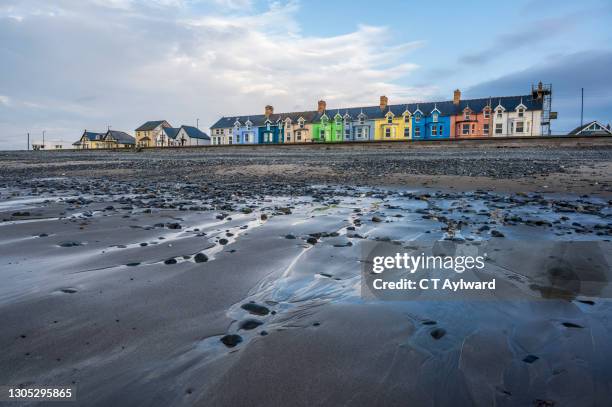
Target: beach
[(232, 276)]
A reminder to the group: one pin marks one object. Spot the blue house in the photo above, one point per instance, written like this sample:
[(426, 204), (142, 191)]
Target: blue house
[(244, 131), (431, 122)]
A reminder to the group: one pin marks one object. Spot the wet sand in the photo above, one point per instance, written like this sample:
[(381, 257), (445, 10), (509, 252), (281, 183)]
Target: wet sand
[(207, 284)]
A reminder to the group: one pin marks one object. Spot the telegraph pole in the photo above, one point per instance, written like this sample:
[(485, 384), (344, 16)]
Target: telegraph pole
[(43, 146), (28, 145), (582, 108), (197, 123)]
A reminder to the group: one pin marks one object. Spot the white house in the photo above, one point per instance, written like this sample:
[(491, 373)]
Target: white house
[(517, 116), (50, 145)]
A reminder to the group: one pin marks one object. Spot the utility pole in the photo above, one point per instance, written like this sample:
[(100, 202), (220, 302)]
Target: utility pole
[(582, 109), (28, 146), (197, 123), (43, 146)]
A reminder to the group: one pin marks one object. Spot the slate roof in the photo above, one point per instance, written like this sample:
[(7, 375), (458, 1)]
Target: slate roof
[(194, 132), (172, 132), (92, 136), (120, 137), (579, 129), (151, 125), (446, 108)]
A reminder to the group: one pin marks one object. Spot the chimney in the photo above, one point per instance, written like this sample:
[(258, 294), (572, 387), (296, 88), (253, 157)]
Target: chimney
[(322, 106), (269, 111), (383, 102), (457, 97)]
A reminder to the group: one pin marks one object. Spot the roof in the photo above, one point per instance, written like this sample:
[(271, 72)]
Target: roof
[(593, 127), (194, 132), (120, 137), (171, 132), (446, 108), (92, 136), (152, 125)]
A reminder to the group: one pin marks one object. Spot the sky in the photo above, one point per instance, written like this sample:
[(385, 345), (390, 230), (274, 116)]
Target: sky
[(70, 65)]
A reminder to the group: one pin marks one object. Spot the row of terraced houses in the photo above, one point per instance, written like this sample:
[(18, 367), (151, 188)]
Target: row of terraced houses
[(488, 117)]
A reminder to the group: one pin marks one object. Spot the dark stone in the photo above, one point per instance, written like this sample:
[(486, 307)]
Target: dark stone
[(223, 241), (69, 290), (312, 240), (376, 219), (231, 340), (437, 333), (255, 309), (170, 261), (23, 213), (571, 325), (289, 236), (530, 358), (69, 244), (200, 258), (249, 324), (133, 264), (173, 225), (496, 233)]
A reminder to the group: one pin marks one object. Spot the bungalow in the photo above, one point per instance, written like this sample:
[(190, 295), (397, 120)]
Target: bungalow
[(89, 140), (167, 137), (191, 136), (593, 128), (151, 134), (118, 139)]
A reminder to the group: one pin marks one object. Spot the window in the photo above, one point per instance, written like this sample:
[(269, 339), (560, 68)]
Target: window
[(322, 133), (520, 127), (441, 132), (487, 114), (521, 113), (417, 118), (347, 132), (390, 119), (465, 129), (473, 128), (246, 137), (499, 114), (417, 132), (298, 136), (267, 126), (466, 115), (498, 128), (358, 132), (435, 117), (406, 131), (361, 120), (248, 126), (407, 118), (229, 140), (388, 132), (288, 136), (236, 125), (485, 129), (434, 130), (301, 124)]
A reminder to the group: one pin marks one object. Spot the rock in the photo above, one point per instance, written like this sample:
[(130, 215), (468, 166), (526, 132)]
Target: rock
[(530, 358), (289, 236), (69, 290), (376, 219), (571, 325), (69, 244), (200, 258), (223, 241), (173, 225), (312, 240), (133, 264), (263, 216), (437, 333), (249, 324), (255, 309), (496, 233), (170, 261), (231, 340), (22, 213)]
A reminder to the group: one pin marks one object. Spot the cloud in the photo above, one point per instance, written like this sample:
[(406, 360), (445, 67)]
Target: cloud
[(567, 74), (536, 32), (91, 64), (5, 100)]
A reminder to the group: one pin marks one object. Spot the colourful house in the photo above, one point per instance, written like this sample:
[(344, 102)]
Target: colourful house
[(244, 131), (395, 123), (432, 121), (270, 127), (151, 134), (89, 140), (298, 127)]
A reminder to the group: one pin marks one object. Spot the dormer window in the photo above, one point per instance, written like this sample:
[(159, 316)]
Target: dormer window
[(361, 120), (248, 126), (434, 117), (499, 113), (407, 118), (417, 118), (268, 126), (487, 114), (466, 115), (301, 123), (390, 119), (521, 112), (237, 125)]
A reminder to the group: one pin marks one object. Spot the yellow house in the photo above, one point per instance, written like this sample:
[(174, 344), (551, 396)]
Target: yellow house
[(151, 134), (90, 140), (394, 124)]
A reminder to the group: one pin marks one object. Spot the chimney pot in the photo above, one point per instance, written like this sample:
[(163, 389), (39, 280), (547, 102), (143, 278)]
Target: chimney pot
[(269, 110), (457, 97), (322, 105), (383, 102)]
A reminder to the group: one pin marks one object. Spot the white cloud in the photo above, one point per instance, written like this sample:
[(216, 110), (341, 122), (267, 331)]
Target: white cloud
[(5, 100), (125, 64)]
